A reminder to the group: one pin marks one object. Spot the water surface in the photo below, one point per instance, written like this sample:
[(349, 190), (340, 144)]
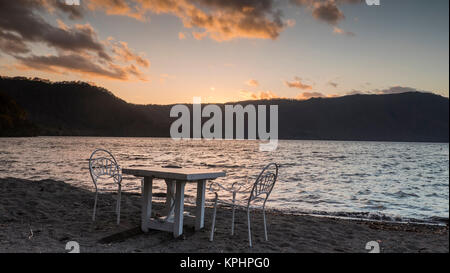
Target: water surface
[(377, 180)]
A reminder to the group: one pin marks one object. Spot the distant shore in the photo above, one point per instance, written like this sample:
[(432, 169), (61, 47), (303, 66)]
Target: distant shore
[(42, 216)]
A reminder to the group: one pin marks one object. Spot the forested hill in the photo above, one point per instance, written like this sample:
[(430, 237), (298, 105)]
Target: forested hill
[(78, 108)]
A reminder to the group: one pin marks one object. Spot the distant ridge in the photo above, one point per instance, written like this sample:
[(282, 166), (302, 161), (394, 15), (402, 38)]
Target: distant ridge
[(80, 109)]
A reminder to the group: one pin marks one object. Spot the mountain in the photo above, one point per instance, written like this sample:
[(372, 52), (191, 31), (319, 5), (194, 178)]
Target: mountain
[(78, 108)]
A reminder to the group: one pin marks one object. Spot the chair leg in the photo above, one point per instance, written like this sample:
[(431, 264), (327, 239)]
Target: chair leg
[(213, 225), (118, 204), (95, 205), (265, 225), (233, 212), (249, 228)]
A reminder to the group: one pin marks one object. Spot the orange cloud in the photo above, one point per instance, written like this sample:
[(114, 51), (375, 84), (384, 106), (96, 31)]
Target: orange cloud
[(343, 32), (308, 95), (116, 7), (124, 53), (181, 36), (252, 82), (298, 84), (220, 20), (199, 35), (261, 95)]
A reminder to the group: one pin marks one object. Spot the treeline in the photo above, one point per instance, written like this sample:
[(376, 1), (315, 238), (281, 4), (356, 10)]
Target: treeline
[(81, 109)]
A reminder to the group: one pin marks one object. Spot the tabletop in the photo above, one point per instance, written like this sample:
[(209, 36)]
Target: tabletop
[(185, 174)]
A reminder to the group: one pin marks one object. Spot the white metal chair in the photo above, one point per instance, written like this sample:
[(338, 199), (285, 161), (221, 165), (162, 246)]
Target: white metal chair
[(103, 165), (260, 191)]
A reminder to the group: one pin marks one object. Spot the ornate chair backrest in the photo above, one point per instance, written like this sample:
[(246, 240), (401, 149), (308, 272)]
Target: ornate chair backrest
[(102, 164), (264, 183)]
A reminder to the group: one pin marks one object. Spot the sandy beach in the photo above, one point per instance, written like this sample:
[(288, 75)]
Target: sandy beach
[(42, 216)]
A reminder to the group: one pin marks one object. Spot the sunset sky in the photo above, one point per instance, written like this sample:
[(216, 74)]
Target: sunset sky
[(167, 51)]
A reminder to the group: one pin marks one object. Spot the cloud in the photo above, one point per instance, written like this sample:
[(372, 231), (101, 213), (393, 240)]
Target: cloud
[(219, 20), (252, 82), (343, 32), (74, 12), (396, 90), (21, 18), (261, 95), (120, 7), (124, 53), (199, 35), (181, 36), (334, 84), (12, 43), (327, 11), (298, 84), (308, 95), (68, 63), (22, 28), (391, 90)]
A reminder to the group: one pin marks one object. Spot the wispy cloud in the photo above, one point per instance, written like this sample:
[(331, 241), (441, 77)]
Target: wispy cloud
[(261, 95), (181, 36), (343, 32), (252, 83), (334, 84), (308, 95), (391, 90)]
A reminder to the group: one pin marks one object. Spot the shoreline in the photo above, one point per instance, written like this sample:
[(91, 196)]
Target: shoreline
[(442, 222), (43, 215), (283, 139)]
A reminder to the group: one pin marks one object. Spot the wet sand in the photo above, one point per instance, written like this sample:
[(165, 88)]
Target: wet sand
[(42, 216)]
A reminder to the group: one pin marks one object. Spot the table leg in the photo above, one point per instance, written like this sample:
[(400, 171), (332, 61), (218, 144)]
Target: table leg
[(169, 210), (200, 206), (146, 212), (179, 207)]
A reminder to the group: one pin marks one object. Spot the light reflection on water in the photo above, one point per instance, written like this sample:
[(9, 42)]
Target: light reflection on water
[(361, 179)]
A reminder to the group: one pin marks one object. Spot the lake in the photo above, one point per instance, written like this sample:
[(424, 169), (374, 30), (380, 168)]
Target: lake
[(376, 180)]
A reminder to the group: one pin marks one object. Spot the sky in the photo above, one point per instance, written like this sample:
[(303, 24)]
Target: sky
[(167, 51)]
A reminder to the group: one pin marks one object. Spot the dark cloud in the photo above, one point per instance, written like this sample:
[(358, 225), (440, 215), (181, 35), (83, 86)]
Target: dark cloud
[(78, 64), (78, 48), (20, 17), (334, 84), (12, 44), (326, 10), (74, 12)]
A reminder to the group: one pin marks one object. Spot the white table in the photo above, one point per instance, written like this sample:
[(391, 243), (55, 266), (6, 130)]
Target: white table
[(176, 179)]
